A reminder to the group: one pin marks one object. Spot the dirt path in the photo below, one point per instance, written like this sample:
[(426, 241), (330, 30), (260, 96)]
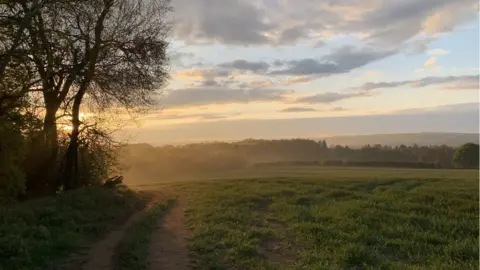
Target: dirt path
[(101, 255), (168, 246)]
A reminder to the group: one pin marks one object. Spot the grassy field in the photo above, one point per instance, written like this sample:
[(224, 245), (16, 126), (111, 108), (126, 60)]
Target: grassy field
[(335, 218), (317, 172)]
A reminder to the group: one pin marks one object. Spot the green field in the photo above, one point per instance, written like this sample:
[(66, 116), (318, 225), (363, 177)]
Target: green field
[(334, 218)]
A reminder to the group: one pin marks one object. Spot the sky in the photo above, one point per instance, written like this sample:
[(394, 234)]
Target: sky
[(312, 68)]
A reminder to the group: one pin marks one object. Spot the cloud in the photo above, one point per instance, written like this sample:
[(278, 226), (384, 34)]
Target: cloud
[(299, 109), (329, 97), (296, 80), (430, 62), (467, 82), (309, 109), (244, 65), (210, 83), (176, 56), (419, 46), (342, 60), (291, 35), (437, 52), (256, 84), (205, 96), (219, 21), (203, 116), (202, 73), (254, 22), (338, 109)]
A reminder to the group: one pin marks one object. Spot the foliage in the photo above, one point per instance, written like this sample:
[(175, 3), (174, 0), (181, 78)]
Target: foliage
[(374, 219), (467, 156), (133, 250), (12, 179), (38, 234)]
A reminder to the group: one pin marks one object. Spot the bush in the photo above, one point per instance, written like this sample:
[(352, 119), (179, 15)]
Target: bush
[(12, 179)]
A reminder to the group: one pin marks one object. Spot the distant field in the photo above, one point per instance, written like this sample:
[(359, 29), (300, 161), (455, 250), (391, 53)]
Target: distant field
[(318, 172), (334, 218)]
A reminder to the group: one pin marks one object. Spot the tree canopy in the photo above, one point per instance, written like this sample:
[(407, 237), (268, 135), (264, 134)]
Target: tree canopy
[(467, 156)]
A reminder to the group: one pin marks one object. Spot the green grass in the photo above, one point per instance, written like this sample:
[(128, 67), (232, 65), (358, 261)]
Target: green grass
[(39, 234), (317, 172), (336, 219), (133, 250)]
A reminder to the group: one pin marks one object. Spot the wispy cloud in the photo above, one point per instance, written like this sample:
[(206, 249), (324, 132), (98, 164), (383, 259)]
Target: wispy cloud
[(437, 52), (204, 96), (298, 109), (468, 82), (430, 62), (329, 97), (296, 80), (341, 60), (310, 109)]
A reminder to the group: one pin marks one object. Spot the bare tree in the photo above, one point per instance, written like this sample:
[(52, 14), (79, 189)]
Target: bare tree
[(123, 46), (16, 73)]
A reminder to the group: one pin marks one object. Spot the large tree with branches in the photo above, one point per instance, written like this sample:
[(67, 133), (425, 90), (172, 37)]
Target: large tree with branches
[(123, 46), (111, 52)]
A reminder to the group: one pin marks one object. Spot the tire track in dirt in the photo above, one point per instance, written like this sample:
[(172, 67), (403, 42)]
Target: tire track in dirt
[(102, 253), (168, 246), (101, 256), (274, 249)]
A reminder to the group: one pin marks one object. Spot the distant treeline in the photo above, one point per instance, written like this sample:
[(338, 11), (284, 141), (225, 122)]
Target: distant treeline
[(333, 162), (224, 156)]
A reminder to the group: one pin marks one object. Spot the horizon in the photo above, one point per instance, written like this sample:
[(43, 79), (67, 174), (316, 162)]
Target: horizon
[(326, 138)]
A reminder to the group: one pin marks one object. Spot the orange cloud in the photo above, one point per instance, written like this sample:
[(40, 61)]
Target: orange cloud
[(430, 62)]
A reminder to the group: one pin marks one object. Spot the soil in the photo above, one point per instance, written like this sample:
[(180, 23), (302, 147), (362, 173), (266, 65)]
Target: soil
[(168, 246)]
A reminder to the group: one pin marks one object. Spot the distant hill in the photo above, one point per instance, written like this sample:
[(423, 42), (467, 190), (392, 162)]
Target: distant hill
[(450, 139)]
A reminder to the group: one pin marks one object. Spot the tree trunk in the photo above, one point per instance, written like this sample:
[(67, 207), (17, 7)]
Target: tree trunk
[(50, 129), (70, 175), (51, 146)]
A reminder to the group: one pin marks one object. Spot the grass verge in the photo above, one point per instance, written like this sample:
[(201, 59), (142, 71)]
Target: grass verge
[(132, 252), (39, 234)]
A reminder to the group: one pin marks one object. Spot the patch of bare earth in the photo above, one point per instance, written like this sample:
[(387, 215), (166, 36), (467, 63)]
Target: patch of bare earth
[(278, 251), (101, 255), (168, 246)]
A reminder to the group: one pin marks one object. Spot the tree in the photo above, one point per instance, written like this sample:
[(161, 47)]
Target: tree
[(466, 156), (121, 47), (111, 53)]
